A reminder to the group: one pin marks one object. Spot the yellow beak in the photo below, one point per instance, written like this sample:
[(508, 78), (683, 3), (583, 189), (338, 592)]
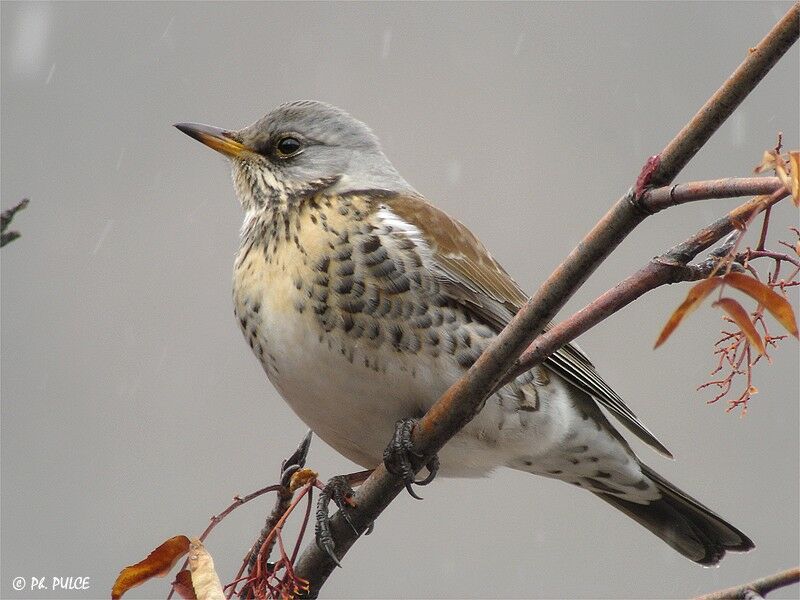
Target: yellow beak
[(214, 137)]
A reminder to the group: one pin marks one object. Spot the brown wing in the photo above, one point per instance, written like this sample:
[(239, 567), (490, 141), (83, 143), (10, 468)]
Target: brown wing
[(470, 275)]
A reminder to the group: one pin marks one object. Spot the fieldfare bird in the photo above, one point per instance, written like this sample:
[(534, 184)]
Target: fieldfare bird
[(364, 303)]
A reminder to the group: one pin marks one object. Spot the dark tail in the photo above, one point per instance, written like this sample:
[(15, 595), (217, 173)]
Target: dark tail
[(683, 523)]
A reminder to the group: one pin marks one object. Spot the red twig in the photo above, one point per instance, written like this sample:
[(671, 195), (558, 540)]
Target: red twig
[(302, 527), (778, 256), (216, 519), (237, 502), (265, 581), (737, 352), (763, 237)]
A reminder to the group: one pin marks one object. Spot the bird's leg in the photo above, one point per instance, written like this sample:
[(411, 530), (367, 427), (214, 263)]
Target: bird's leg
[(339, 490), (399, 456)]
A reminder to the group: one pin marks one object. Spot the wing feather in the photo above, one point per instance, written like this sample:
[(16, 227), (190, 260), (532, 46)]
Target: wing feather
[(470, 275)]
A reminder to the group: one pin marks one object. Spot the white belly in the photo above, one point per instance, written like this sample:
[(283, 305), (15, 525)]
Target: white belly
[(350, 405), (353, 398)]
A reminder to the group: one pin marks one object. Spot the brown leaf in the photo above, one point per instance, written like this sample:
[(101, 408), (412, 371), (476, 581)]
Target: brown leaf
[(767, 162), (742, 319), (696, 295), (205, 580), (183, 585), (777, 305), (780, 171), (157, 564), (773, 161)]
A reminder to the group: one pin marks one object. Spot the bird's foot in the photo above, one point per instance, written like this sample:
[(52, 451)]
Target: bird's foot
[(399, 456), (339, 491)]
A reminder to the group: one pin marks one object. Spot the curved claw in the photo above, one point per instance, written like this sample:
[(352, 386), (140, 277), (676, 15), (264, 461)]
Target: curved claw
[(411, 491), (340, 492), (433, 469), (349, 521), (322, 528), (327, 546), (337, 490), (346, 517), (397, 457)]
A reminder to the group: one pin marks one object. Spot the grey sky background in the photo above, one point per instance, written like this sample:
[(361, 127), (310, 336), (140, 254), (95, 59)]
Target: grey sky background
[(132, 409)]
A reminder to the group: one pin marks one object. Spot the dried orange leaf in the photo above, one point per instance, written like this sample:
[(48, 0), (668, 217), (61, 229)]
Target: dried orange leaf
[(693, 299), (205, 580), (777, 305), (157, 564), (183, 585), (780, 171), (767, 162), (742, 319), (772, 161)]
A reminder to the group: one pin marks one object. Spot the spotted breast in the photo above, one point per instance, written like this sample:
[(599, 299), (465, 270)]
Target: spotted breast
[(336, 300)]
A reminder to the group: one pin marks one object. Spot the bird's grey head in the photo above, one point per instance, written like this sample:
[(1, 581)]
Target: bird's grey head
[(300, 148)]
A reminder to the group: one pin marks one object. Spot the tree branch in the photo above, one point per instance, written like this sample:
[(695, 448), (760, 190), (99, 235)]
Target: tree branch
[(725, 100), (464, 399), (658, 199), (670, 267), (761, 586)]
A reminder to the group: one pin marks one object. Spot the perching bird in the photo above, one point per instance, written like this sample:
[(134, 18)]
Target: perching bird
[(364, 303)]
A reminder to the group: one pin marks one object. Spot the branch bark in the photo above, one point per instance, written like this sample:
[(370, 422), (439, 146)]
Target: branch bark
[(725, 100), (670, 267), (760, 586), (464, 399), (732, 187)]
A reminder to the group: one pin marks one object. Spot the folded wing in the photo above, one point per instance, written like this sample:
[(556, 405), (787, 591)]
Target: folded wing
[(470, 275)]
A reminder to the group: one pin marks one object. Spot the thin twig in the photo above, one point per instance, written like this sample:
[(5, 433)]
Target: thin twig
[(725, 100), (762, 239), (733, 348), (237, 502), (761, 586), (275, 535), (289, 466), (282, 502), (670, 267), (731, 187), (778, 256), (216, 519)]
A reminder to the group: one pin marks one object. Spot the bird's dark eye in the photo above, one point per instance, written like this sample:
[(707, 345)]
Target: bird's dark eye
[(288, 146)]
